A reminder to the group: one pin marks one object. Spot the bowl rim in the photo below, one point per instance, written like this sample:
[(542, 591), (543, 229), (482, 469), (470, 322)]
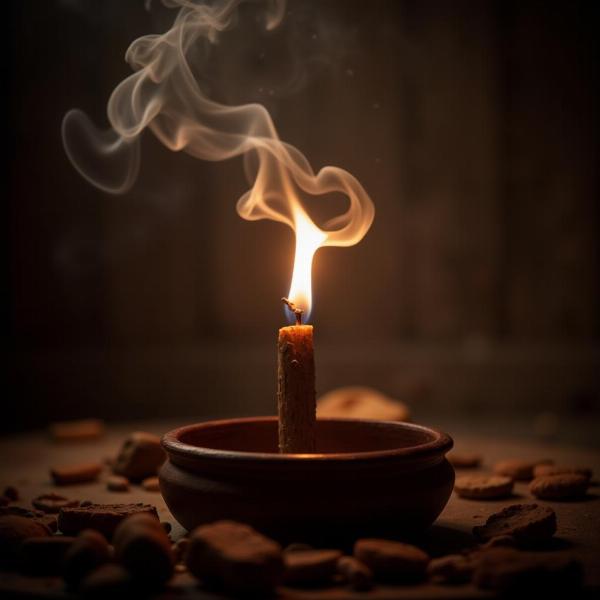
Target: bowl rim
[(171, 442)]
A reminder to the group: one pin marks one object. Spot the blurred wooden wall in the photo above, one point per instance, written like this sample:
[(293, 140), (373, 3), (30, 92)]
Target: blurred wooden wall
[(473, 125)]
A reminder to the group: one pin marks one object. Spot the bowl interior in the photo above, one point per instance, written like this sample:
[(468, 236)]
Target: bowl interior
[(334, 436)]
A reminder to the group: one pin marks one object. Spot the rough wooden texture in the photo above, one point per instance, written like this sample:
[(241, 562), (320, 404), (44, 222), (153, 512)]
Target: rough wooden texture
[(578, 522), (296, 396)]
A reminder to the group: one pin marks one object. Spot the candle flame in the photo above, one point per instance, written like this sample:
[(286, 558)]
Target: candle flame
[(309, 239), (165, 95)]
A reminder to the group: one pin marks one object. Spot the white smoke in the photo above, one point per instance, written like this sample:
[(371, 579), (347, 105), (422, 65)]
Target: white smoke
[(166, 94)]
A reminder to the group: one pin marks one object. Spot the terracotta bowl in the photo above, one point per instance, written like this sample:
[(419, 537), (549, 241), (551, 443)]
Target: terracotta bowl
[(369, 478)]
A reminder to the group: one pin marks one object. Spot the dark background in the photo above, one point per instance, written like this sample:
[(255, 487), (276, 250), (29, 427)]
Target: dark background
[(474, 297)]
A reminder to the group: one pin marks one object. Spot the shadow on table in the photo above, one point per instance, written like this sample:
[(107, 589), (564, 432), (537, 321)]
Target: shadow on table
[(439, 540)]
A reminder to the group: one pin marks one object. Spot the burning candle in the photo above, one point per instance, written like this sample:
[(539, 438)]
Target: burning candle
[(296, 403), (296, 396)]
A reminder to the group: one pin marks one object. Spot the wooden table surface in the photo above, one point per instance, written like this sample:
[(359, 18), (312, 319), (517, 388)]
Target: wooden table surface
[(26, 459)]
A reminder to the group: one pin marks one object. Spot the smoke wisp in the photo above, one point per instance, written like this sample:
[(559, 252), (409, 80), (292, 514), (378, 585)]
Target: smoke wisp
[(166, 94)]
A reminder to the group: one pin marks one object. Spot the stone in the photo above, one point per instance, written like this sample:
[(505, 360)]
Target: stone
[(234, 557), (140, 456), (392, 561), (361, 403)]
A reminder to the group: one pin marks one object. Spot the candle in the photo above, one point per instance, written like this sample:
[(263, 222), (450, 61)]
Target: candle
[(296, 401)]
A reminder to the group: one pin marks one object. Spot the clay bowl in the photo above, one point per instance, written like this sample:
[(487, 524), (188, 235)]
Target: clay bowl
[(369, 478)]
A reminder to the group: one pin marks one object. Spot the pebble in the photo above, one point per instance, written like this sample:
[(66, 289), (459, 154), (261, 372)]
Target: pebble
[(390, 560), (76, 431), (48, 520), (235, 557), (89, 550), (52, 503), (559, 487), (527, 523), (104, 518), (517, 469), (15, 529), (310, 567), (144, 549), (140, 456), (81, 473), (464, 460), (117, 483), (150, 484), (483, 487), (361, 403)]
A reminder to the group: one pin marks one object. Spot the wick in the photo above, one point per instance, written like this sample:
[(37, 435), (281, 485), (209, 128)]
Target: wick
[(297, 311)]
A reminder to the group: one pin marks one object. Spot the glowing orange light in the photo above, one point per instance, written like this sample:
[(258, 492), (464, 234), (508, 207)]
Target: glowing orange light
[(308, 239)]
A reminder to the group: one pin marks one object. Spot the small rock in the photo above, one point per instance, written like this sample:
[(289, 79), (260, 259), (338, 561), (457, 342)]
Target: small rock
[(393, 561), (47, 520), (52, 503), (89, 551), (76, 431), (144, 549), (140, 456), (81, 473), (361, 403), (517, 469), (102, 517), (559, 487), (464, 460), (150, 484), (234, 557), (527, 523), (15, 529), (482, 487), (117, 483), (310, 567)]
